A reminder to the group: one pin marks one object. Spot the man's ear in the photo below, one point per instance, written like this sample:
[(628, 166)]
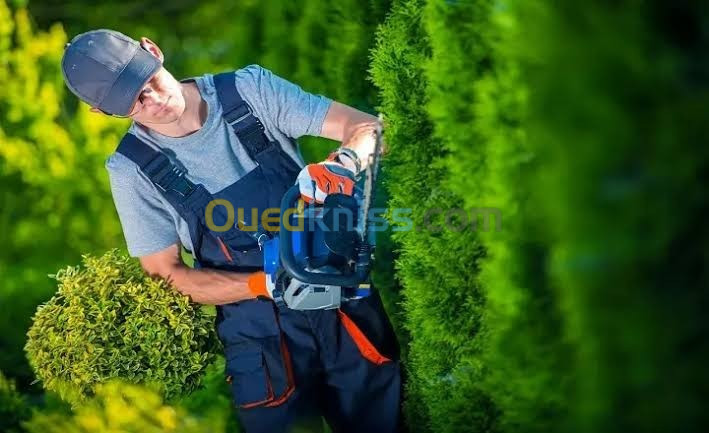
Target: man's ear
[(152, 48)]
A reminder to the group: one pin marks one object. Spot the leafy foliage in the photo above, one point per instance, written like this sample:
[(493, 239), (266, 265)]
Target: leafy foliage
[(570, 322), (213, 399), (619, 139), (13, 407), (436, 266), (55, 202), (109, 320), (127, 408)]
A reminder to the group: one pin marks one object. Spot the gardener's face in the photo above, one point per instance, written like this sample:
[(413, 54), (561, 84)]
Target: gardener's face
[(161, 100)]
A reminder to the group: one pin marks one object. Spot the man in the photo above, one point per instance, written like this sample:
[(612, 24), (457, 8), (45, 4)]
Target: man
[(231, 136)]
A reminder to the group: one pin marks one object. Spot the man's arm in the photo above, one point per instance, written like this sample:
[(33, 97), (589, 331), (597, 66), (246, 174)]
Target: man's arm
[(357, 132), (296, 112), (354, 128), (204, 286)]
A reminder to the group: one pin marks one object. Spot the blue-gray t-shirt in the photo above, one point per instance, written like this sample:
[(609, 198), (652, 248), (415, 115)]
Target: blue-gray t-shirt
[(212, 156)]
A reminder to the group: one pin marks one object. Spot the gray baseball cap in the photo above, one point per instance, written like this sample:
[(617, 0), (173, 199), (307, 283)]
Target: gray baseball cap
[(107, 69)]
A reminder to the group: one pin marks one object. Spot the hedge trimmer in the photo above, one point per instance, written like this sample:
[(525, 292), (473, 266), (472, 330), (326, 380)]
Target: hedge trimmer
[(323, 253)]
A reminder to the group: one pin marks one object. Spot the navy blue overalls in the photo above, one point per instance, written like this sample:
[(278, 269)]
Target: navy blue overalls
[(282, 364)]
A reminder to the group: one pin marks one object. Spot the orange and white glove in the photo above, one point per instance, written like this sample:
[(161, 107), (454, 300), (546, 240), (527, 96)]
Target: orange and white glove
[(317, 181)]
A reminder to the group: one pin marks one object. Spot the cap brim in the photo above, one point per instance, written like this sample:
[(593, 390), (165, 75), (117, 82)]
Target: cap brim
[(130, 82)]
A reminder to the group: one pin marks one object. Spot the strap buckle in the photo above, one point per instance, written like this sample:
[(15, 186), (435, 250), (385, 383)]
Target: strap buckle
[(175, 181), (237, 114), (182, 186)]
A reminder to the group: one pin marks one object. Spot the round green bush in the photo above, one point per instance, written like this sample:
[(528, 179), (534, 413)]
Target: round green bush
[(110, 320)]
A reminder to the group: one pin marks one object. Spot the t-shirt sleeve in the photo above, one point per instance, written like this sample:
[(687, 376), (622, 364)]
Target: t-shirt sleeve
[(292, 110), (147, 226)]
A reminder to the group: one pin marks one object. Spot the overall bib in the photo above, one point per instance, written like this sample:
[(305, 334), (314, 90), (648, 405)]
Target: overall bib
[(282, 364)]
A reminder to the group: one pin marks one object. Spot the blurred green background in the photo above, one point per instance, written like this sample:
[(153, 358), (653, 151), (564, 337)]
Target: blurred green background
[(584, 123)]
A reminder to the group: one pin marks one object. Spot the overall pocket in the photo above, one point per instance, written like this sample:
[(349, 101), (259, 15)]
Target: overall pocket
[(246, 254), (248, 375), (258, 363)]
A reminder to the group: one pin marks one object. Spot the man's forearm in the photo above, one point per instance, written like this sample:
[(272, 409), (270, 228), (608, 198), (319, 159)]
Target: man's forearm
[(210, 286)]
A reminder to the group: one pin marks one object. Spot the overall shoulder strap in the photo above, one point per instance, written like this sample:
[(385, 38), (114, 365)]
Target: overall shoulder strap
[(237, 113), (157, 167), (189, 199)]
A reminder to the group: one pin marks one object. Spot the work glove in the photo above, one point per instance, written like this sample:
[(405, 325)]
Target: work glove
[(258, 284), (317, 181)]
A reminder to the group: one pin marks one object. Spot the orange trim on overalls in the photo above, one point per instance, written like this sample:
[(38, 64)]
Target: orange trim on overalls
[(268, 398), (224, 249), (366, 348), (271, 400), (289, 368), (289, 374)]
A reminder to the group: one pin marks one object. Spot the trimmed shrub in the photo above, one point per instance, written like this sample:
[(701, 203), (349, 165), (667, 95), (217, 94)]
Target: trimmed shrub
[(478, 106), (125, 408), (584, 126), (109, 320), (437, 266), (13, 406)]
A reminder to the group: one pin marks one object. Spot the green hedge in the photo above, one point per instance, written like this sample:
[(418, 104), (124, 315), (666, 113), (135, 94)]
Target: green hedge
[(620, 137), (582, 125), (528, 355), (442, 299), (54, 195)]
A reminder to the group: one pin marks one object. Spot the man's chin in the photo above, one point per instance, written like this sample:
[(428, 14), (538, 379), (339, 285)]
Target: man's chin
[(165, 119)]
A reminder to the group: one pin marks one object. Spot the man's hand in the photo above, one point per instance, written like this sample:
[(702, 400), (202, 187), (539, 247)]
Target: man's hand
[(316, 181), (362, 139), (354, 128)]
